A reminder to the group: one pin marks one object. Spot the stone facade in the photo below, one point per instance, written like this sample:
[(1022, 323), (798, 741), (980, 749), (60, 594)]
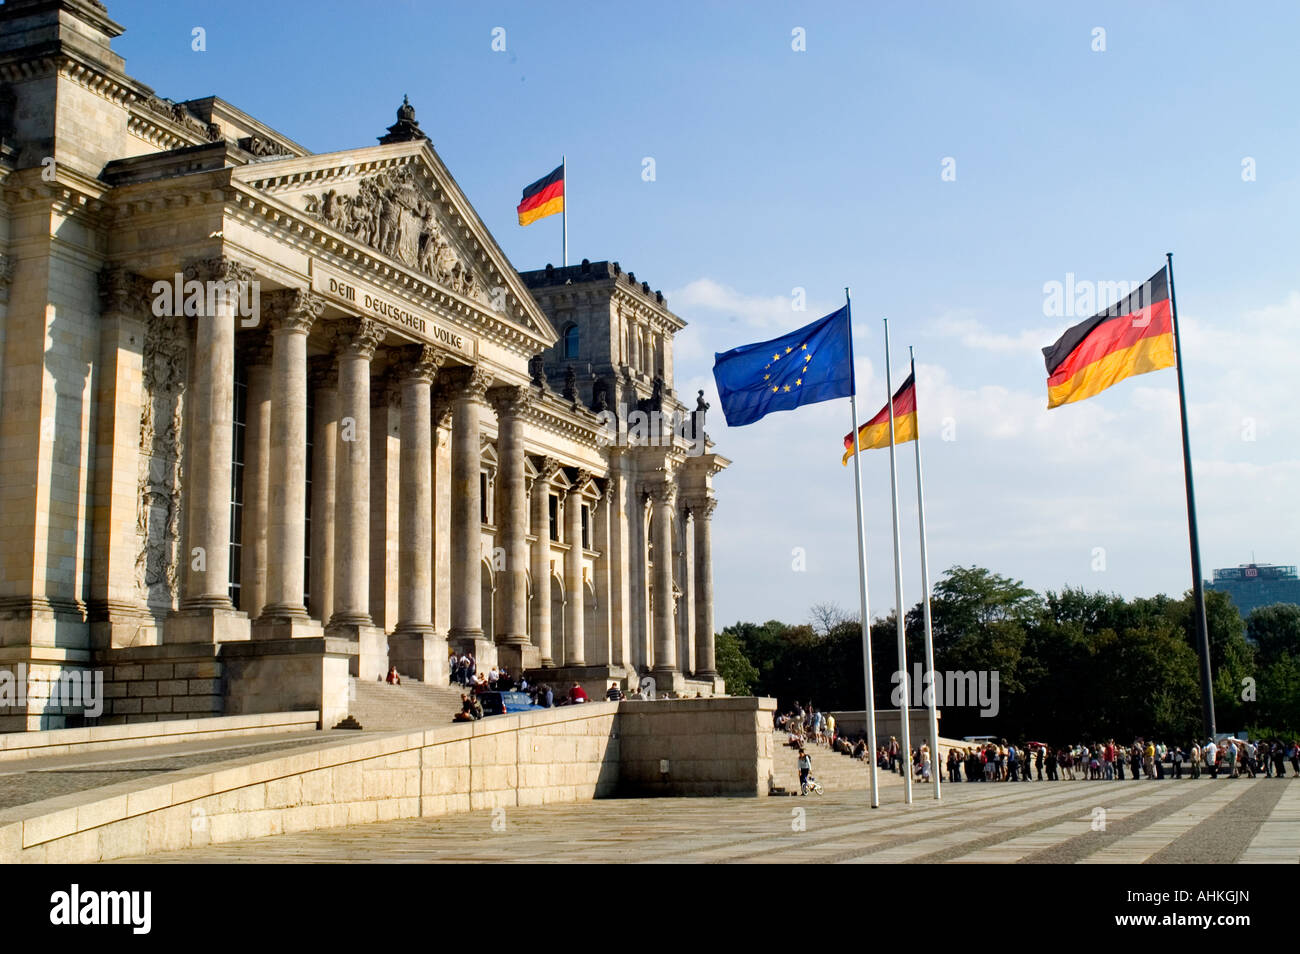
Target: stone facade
[(277, 417)]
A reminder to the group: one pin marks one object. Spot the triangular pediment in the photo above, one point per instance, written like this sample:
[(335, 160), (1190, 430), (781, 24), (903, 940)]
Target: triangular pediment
[(400, 202)]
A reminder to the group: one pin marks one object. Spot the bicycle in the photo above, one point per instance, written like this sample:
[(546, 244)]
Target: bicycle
[(812, 783)]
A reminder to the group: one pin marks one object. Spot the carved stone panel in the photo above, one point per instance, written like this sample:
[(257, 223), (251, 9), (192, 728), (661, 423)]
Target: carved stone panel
[(165, 371)]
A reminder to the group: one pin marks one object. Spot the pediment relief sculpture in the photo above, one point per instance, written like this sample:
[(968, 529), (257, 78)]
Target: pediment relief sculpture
[(395, 214)]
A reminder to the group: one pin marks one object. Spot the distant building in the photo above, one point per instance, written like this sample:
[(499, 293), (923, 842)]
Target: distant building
[(1253, 585)]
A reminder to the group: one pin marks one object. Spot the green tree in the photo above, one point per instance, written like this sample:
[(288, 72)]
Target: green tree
[(1274, 631), (739, 674)]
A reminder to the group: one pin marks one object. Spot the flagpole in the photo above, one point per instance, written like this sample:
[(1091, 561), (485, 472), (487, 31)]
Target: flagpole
[(564, 212), (904, 728), (925, 595), (1193, 535), (862, 577)]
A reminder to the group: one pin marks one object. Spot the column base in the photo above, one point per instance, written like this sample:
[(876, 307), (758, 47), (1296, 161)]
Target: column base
[(476, 642), (518, 655), (419, 654), (594, 679), (206, 625), (371, 662), (286, 675), (279, 623), (670, 682)]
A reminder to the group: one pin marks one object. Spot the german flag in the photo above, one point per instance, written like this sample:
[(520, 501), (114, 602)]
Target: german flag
[(544, 197), (875, 433), (1134, 336)]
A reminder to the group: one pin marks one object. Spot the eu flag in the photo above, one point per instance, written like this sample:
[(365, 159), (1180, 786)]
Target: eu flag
[(812, 364)]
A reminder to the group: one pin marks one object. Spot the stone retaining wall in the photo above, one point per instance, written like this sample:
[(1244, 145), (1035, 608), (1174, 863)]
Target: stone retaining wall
[(556, 755)]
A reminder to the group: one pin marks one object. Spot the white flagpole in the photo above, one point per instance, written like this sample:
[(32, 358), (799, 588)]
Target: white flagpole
[(564, 213), (862, 581), (925, 599), (905, 728)]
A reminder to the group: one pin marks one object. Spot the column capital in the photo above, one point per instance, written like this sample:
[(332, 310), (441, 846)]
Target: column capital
[(120, 291), (293, 309), (702, 508), (549, 467), (578, 481), (663, 494), (468, 383), (418, 363), (218, 269), (356, 337), (511, 400)]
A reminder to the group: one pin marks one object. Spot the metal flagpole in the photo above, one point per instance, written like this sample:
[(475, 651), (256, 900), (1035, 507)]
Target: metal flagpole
[(925, 596), (904, 729), (1198, 590), (564, 212), (870, 711)]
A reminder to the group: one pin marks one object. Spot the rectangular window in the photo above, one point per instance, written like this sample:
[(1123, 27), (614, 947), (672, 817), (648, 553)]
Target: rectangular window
[(586, 530), (483, 498), (554, 504)]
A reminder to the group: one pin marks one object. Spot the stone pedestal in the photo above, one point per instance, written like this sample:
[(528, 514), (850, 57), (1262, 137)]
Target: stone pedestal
[(283, 675), (421, 656), (371, 661), (206, 626)]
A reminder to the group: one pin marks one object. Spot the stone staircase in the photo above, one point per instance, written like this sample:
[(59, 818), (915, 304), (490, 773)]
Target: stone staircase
[(835, 771), (411, 705)]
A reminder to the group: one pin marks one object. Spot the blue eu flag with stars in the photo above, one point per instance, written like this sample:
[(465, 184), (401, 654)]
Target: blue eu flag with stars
[(812, 364)]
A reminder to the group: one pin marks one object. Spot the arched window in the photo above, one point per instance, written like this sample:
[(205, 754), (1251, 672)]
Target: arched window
[(571, 342)]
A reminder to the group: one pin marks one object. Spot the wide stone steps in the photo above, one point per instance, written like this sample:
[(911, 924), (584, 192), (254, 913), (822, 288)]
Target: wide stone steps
[(834, 770), (411, 705)]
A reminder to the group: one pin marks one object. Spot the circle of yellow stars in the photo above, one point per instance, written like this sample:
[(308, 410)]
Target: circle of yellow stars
[(777, 357)]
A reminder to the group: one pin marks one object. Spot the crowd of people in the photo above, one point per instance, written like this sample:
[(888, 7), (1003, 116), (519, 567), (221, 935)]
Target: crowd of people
[(1003, 761), (463, 670)]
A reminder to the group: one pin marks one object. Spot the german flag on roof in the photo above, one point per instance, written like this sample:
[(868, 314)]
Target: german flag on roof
[(875, 433), (544, 197), (1131, 337)]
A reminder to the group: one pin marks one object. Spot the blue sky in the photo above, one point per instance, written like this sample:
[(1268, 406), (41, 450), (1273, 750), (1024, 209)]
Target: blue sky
[(778, 169)]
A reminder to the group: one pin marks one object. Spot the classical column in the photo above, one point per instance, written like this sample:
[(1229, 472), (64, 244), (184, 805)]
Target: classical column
[(467, 388), (385, 490), (257, 484), (702, 511), (416, 371), (684, 573), (211, 423), (355, 343), (665, 641), (599, 642), (441, 516), (511, 404), (574, 597), (292, 317), (620, 605), (323, 379), (542, 560)]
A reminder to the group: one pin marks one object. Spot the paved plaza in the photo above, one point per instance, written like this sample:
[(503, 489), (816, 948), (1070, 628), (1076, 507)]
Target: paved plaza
[(1170, 821)]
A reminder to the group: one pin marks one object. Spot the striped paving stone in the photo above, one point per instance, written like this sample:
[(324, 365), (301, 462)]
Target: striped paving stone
[(876, 831), (991, 826), (1278, 838), (1136, 848), (1018, 848)]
